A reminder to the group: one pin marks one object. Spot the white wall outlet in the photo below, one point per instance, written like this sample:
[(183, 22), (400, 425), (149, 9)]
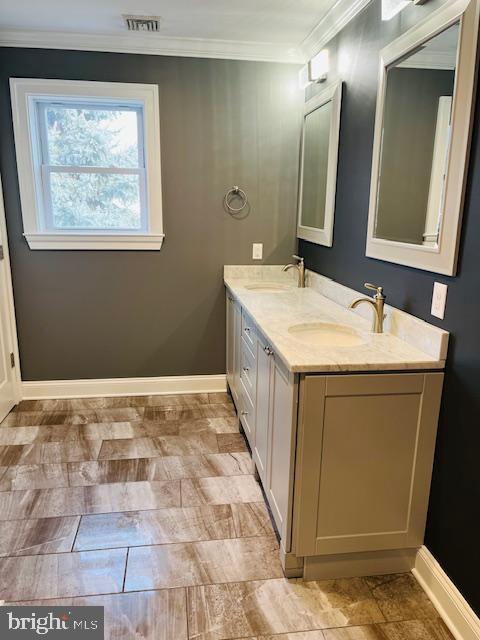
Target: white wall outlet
[(439, 300), (257, 251)]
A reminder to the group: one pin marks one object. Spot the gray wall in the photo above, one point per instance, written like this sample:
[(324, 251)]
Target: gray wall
[(411, 108), (453, 527), (95, 314)]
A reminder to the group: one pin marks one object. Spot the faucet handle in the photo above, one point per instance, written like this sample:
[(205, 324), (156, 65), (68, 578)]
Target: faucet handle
[(299, 258), (374, 287)]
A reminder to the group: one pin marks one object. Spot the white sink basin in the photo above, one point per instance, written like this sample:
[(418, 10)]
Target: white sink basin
[(325, 334), (269, 287)]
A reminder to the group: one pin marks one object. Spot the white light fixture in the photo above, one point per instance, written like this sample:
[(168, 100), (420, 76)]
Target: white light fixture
[(390, 8), (304, 77), (319, 66)]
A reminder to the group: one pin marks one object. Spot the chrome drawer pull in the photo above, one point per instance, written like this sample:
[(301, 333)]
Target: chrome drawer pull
[(268, 351), (244, 413), (247, 329), (246, 369)]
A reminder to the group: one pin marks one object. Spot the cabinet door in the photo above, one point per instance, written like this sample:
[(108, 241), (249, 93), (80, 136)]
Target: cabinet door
[(264, 368), (364, 460), (230, 338), (237, 339), (248, 389), (233, 347), (281, 449)]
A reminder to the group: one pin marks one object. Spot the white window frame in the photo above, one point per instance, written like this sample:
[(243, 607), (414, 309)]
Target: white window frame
[(26, 93)]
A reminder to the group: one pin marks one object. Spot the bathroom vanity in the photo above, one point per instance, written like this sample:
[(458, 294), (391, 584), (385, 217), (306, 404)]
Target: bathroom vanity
[(341, 422)]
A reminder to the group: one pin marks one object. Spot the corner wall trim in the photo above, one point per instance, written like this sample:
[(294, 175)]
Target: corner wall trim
[(449, 602), (44, 390)]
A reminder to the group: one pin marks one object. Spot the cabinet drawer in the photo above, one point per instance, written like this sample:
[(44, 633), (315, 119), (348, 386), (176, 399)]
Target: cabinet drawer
[(248, 329), (248, 371), (247, 414)]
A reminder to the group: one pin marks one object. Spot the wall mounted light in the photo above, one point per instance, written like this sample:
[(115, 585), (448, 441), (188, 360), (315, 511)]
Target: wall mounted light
[(304, 77), (319, 66), (390, 8)]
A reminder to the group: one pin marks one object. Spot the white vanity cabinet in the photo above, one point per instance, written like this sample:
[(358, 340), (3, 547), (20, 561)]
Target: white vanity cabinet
[(345, 459)]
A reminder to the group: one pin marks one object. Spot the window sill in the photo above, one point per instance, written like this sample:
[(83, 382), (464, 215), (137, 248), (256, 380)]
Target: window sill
[(117, 242)]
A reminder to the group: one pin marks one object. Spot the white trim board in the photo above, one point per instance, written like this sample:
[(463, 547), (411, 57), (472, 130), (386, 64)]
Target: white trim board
[(153, 45), (108, 387), (449, 602), (332, 23)]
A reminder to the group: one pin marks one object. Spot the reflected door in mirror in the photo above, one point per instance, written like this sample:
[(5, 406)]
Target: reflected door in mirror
[(415, 142), (315, 166)]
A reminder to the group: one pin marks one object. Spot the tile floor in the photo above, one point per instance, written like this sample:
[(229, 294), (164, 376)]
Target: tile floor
[(148, 506)]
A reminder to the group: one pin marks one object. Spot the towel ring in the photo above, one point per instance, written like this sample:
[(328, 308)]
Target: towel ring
[(235, 191)]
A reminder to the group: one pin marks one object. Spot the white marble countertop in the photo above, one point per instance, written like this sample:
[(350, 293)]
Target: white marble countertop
[(275, 312)]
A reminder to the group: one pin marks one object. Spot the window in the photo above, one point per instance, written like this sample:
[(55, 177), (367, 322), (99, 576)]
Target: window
[(88, 156)]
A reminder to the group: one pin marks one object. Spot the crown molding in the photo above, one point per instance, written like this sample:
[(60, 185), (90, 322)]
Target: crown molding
[(153, 45), (332, 23)]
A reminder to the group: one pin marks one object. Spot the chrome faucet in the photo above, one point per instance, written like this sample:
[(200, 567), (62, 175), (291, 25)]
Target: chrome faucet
[(300, 266), (378, 304)]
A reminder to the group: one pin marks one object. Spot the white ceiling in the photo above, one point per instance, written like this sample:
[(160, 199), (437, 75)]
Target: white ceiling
[(268, 29)]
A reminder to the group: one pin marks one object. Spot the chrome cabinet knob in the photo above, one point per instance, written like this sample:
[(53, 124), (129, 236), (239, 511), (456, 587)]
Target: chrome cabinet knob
[(268, 351), (244, 413)]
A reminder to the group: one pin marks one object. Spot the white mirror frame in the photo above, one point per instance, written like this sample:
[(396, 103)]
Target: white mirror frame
[(333, 94), (443, 257)]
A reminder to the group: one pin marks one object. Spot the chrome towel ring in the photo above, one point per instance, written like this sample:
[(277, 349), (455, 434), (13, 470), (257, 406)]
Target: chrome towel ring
[(235, 192)]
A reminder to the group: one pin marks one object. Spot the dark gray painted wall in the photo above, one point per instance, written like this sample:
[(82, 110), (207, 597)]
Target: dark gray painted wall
[(121, 314), (411, 108), (453, 527)]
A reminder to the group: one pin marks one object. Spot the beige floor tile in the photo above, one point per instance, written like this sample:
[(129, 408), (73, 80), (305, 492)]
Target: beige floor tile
[(245, 609), (408, 630), (251, 519), (165, 526), (148, 615), (400, 597), (62, 574), (105, 498), (180, 565), (34, 476), (82, 474), (39, 418), (165, 468), (53, 452), (221, 490), (31, 537), (190, 413), (10, 454), (129, 449), (208, 465), (231, 442)]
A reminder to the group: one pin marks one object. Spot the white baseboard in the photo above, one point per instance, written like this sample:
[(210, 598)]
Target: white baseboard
[(449, 602), (105, 387)]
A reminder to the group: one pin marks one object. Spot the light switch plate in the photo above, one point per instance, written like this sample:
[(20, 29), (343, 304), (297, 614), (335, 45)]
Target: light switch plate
[(439, 300), (257, 251)]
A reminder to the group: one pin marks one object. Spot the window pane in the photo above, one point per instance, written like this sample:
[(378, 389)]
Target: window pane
[(92, 137), (95, 201)]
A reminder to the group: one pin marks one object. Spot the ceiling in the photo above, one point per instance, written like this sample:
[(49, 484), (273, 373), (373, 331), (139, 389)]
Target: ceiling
[(258, 29)]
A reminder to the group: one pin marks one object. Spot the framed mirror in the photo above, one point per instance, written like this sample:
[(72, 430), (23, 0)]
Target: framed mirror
[(422, 137), (318, 166)]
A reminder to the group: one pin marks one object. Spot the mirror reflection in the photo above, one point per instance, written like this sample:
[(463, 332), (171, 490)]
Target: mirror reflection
[(315, 166), (415, 146)]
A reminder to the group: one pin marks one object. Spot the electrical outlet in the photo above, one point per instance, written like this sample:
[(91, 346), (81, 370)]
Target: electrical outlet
[(257, 251), (439, 300)]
